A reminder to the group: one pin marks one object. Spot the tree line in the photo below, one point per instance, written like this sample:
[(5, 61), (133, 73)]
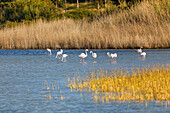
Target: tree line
[(28, 10)]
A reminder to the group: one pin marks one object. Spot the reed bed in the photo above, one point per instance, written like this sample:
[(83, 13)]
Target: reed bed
[(145, 24), (139, 85)]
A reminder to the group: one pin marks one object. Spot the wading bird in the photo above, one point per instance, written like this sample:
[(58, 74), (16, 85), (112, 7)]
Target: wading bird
[(83, 55), (49, 51), (111, 55), (94, 55), (59, 53), (64, 57), (139, 51), (143, 54)]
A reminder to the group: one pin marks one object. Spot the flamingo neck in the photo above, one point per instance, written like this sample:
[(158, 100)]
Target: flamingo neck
[(86, 53), (109, 54), (141, 48)]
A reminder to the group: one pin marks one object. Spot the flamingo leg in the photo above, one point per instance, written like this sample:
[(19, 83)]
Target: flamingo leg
[(113, 60), (47, 53), (60, 56)]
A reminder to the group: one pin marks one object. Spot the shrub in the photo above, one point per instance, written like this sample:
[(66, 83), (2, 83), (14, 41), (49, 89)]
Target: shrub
[(80, 14)]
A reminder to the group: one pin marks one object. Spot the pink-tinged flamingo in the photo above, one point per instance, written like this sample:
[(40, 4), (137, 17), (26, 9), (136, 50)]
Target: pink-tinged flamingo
[(64, 57), (111, 55), (59, 53), (83, 55), (94, 55), (49, 51)]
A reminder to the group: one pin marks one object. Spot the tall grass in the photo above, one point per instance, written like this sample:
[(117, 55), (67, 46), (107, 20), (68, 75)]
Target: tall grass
[(145, 24), (145, 84)]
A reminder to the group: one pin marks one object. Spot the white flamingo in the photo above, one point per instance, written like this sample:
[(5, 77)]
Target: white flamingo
[(59, 53), (64, 57), (49, 51), (139, 51), (143, 54), (94, 55), (111, 55), (83, 55)]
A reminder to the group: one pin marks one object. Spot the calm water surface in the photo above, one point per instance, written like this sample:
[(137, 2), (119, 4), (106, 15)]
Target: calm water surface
[(24, 75)]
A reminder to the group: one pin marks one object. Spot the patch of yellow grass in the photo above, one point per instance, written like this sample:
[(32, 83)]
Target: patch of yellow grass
[(145, 84)]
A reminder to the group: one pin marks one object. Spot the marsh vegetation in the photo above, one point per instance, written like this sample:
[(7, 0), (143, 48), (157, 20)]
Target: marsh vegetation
[(140, 85), (143, 24)]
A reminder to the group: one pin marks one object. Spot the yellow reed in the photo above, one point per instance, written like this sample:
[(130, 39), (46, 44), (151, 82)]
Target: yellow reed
[(145, 84)]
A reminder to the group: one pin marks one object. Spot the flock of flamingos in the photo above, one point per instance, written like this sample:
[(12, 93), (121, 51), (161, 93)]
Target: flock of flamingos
[(94, 55)]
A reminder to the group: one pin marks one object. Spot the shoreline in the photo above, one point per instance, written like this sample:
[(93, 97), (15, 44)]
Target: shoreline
[(86, 48)]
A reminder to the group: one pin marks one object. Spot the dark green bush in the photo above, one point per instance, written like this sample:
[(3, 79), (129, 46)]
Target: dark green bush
[(80, 14), (27, 11)]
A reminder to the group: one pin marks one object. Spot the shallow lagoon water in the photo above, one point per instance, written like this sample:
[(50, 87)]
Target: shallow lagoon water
[(24, 75)]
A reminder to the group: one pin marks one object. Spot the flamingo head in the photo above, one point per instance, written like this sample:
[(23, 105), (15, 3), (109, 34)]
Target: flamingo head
[(90, 51), (108, 53), (86, 50)]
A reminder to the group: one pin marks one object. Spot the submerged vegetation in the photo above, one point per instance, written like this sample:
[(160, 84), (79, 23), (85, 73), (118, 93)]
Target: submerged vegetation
[(144, 24), (140, 85), (52, 91)]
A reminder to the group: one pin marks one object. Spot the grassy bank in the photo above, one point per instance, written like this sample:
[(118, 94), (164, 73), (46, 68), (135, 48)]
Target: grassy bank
[(142, 85), (145, 24)]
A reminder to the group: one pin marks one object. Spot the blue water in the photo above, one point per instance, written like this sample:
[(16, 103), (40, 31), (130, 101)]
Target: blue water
[(24, 75)]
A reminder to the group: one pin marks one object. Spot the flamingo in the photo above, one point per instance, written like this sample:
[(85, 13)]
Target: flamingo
[(59, 53), (111, 55), (139, 51), (94, 55), (64, 57), (83, 55), (49, 51), (143, 54)]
